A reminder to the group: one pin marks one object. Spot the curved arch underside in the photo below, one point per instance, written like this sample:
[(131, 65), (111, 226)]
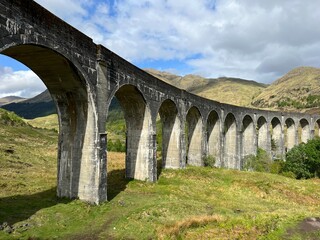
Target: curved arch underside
[(139, 125), (68, 89)]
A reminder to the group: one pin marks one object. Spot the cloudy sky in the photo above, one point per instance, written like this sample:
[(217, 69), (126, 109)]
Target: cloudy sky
[(252, 39)]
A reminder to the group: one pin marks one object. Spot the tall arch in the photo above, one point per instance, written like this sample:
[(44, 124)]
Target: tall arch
[(171, 135), (304, 130), (248, 137), (290, 134), (263, 138), (194, 137), (276, 138), (213, 137), (70, 89), (230, 142), (139, 142)]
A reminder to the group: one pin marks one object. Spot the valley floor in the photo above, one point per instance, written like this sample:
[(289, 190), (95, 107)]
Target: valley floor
[(193, 203)]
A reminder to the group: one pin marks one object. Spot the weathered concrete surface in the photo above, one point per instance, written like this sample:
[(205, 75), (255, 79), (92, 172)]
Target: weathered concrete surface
[(83, 78)]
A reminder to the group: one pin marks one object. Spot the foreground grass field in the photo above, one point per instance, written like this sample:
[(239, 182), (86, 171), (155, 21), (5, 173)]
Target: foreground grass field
[(194, 203)]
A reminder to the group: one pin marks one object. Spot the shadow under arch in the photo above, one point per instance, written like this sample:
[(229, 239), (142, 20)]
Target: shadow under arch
[(68, 88), (171, 134), (138, 162), (194, 137), (213, 137)]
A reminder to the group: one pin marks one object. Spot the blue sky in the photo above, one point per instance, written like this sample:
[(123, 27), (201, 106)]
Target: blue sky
[(251, 39)]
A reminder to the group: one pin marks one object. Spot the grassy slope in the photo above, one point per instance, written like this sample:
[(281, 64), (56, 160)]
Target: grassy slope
[(115, 124), (225, 90), (192, 203), (48, 122), (296, 85)]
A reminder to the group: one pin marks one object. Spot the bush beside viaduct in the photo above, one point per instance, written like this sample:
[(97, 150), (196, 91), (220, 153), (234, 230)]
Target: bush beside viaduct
[(83, 78)]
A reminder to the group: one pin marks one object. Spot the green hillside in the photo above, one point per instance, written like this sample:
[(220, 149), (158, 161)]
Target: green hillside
[(193, 203), (298, 90)]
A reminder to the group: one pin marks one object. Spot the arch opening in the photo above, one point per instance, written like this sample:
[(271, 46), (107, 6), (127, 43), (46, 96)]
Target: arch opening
[(68, 89), (289, 134), (170, 128), (248, 137), (213, 137), (304, 131), (262, 128), (194, 137), (116, 149), (138, 128), (276, 138), (230, 143)]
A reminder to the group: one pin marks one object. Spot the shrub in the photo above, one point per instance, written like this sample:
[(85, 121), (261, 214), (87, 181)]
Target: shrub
[(273, 144), (277, 166), (260, 163), (116, 146), (209, 161), (304, 160), (10, 118)]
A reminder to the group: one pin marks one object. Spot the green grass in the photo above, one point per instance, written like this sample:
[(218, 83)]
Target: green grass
[(193, 203)]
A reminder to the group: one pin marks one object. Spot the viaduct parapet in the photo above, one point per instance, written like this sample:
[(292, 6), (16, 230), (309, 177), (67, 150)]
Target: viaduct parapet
[(83, 78)]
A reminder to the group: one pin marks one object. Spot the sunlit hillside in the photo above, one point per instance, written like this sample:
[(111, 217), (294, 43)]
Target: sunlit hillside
[(298, 90), (221, 89)]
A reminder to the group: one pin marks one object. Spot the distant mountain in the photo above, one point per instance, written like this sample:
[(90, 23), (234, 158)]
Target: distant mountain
[(298, 90), (38, 106), (10, 99), (220, 89)]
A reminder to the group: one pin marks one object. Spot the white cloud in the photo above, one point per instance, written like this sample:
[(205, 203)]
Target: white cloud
[(19, 83), (258, 40)]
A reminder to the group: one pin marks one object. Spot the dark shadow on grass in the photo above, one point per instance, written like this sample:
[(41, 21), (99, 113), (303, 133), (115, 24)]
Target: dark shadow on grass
[(117, 182), (159, 167), (17, 208)]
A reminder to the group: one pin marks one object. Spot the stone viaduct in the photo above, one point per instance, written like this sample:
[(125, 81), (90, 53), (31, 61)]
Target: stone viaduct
[(83, 78)]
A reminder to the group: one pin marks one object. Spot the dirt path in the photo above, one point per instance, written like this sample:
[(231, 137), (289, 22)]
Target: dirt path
[(309, 229)]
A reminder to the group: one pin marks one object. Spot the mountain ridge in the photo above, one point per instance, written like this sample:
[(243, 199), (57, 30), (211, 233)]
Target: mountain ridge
[(298, 90)]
